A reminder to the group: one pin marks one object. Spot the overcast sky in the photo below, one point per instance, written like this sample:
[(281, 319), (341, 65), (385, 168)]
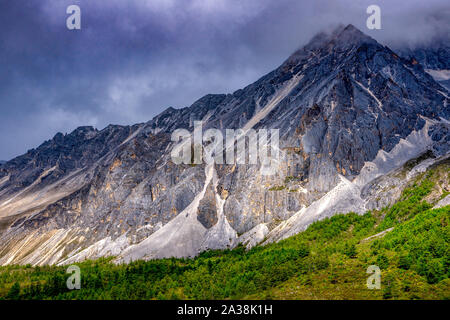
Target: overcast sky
[(132, 59)]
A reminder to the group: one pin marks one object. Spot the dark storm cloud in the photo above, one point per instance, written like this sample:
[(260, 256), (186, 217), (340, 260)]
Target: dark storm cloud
[(134, 58)]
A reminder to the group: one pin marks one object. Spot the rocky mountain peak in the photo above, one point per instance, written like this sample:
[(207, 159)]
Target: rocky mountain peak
[(351, 33), (348, 110), (350, 36), (341, 38)]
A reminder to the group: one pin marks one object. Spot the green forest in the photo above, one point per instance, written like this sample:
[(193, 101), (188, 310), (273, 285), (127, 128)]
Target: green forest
[(327, 261)]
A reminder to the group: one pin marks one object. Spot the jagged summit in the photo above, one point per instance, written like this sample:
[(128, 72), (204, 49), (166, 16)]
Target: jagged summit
[(350, 35), (342, 38), (348, 111), (349, 30)]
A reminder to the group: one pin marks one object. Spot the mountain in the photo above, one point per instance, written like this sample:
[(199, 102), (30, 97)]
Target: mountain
[(349, 111), (408, 241), (435, 58)]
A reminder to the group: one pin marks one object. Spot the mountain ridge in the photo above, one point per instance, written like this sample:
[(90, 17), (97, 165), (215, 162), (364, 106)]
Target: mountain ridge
[(343, 103), (327, 261)]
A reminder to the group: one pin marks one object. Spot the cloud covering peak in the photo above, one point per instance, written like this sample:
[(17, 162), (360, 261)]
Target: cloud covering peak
[(132, 59)]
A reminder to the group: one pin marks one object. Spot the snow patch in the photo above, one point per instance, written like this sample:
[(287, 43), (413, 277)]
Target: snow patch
[(439, 75)]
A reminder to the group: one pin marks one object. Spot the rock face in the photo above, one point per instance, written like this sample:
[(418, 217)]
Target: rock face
[(349, 111), (435, 59)]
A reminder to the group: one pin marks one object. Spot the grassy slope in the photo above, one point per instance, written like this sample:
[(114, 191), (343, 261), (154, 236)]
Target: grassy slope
[(327, 261)]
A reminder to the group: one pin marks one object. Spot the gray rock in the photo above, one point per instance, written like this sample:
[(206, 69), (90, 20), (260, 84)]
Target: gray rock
[(349, 111)]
